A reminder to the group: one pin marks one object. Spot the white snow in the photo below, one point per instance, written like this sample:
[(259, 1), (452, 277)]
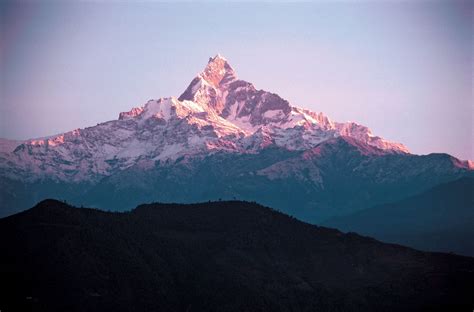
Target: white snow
[(170, 152), (187, 131), (193, 106), (160, 108), (271, 114)]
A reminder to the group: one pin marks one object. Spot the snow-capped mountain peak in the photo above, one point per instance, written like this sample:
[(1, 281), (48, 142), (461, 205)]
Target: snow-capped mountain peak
[(209, 88), (164, 108), (218, 72), (216, 112), (217, 89)]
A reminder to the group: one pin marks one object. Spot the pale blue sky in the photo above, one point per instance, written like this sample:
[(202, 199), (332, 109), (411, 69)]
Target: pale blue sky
[(404, 69)]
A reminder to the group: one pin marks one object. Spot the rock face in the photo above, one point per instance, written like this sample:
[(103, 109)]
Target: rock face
[(222, 138)]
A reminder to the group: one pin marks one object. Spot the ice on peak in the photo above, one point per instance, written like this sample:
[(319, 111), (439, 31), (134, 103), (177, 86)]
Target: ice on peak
[(218, 71), (210, 86), (163, 108)]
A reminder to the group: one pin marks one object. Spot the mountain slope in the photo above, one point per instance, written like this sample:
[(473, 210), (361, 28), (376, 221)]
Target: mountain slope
[(217, 112), (222, 138), (337, 177), (439, 219), (221, 256)]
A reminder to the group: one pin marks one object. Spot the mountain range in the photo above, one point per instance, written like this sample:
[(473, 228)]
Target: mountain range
[(441, 218), (217, 112), (221, 139)]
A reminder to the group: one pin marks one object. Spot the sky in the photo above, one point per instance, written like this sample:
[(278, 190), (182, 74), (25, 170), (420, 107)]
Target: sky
[(402, 68)]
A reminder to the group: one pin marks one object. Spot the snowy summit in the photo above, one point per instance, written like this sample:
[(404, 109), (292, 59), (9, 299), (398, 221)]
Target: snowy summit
[(217, 112)]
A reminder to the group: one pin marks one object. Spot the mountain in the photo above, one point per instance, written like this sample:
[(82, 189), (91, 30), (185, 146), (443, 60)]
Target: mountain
[(222, 138), (441, 218), (337, 177), (217, 112), (219, 256)]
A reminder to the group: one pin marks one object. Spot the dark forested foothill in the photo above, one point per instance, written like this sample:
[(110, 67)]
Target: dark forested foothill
[(217, 256)]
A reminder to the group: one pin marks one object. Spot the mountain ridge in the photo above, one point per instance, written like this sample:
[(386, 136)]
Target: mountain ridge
[(217, 112), (440, 218), (208, 257), (222, 138)]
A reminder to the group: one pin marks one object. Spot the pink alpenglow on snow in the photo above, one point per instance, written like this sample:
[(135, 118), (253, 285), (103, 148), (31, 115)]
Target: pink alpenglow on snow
[(216, 113)]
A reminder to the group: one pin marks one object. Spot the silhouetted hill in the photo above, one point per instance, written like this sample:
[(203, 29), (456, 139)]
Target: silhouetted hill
[(440, 219), (219, 256)]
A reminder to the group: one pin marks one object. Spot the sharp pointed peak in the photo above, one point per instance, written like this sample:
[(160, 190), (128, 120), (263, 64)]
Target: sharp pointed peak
[(218, 71), (217, 57), (217, 75)]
